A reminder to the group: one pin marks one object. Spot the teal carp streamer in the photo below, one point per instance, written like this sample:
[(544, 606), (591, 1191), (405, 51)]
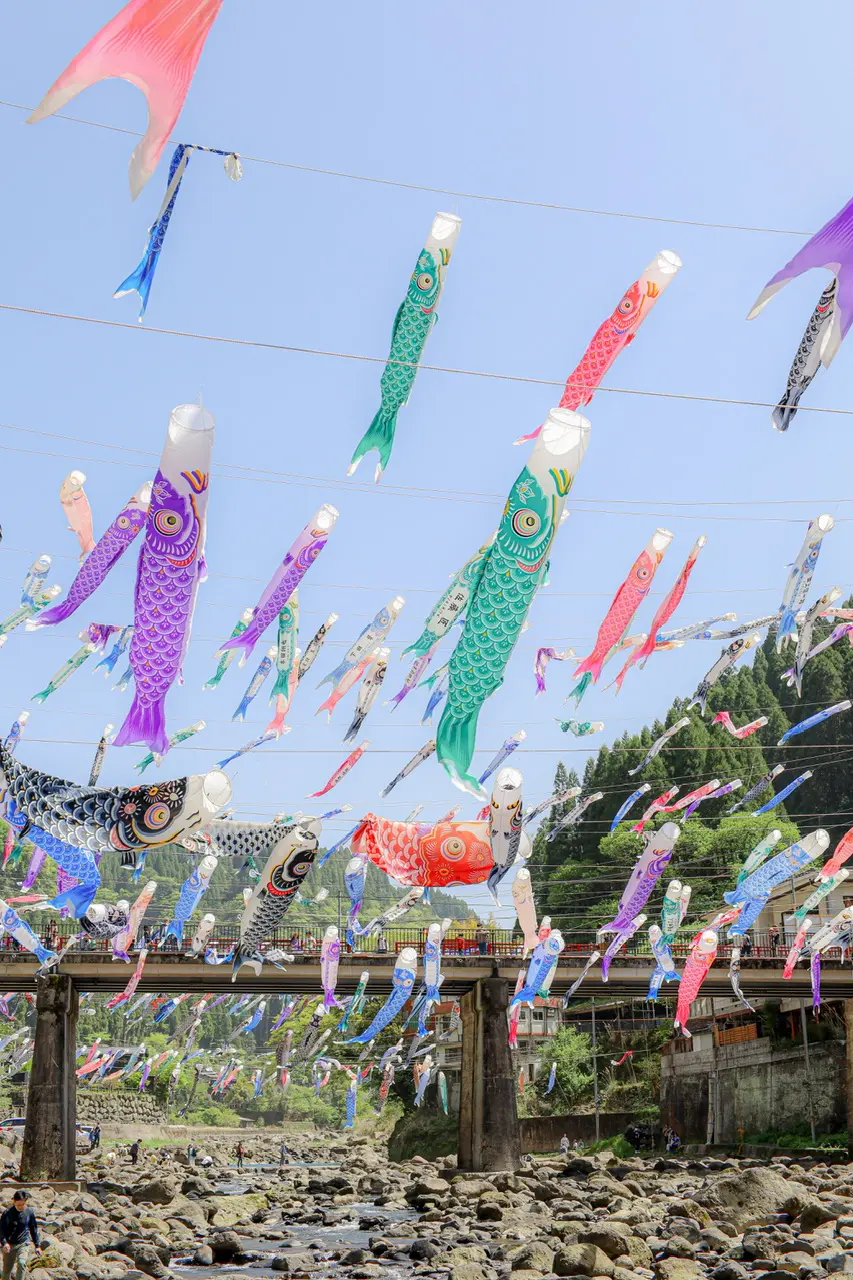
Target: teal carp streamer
[(511, 573), (413, 322)]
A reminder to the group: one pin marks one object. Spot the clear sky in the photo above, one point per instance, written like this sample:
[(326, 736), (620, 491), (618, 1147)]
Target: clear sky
[(662, 110)]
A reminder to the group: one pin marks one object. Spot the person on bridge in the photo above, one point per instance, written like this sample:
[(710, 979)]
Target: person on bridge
[(18, 1227)]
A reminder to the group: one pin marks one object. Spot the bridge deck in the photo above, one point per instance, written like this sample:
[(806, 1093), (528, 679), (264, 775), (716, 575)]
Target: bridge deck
[(176, 973)]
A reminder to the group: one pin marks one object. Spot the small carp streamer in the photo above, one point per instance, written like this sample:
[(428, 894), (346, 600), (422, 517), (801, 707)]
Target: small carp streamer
[(800, 579), (413, 324), (745, 731), (141, 279), (832, 248), (285, 580), (625, 603), (618, 330)]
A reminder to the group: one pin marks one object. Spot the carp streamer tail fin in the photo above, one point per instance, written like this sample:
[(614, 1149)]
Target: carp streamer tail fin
[(145, 724), (379, 436)]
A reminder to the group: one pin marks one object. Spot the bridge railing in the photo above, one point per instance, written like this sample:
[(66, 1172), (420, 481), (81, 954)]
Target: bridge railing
[(502, 944)]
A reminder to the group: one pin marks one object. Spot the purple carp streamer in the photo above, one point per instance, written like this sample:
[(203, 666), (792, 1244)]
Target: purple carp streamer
[(540, 663), (286, 579), (170, 568), (109, 548)]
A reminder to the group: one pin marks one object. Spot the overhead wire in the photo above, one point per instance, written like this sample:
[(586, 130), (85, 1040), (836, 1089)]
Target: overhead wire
[(443, 191), (295, 349), (431, 491)]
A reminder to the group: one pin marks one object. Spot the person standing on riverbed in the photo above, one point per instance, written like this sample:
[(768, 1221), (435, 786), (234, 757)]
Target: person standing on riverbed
[(282, 1154), (18, 1227), (240, 1153)]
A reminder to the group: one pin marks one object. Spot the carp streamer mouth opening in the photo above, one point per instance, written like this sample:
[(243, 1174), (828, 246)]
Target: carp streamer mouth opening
[(216, 790), (190, 417)]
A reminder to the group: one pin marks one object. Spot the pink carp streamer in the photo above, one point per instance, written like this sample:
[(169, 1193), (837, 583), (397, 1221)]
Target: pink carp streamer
[(724, 718), (630, 595), (843, 850), (666, 609), (156, 45), (656, 806), (125, 995), (342, 770), (617, 331)]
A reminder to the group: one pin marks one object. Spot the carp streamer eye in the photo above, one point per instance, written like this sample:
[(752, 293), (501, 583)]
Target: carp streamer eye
[(167, 522), (424, 281), (157, 816), (526, 523), (453, 847)]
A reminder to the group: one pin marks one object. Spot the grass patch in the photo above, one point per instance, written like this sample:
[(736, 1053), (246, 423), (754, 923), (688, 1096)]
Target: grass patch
[(799, 1141)]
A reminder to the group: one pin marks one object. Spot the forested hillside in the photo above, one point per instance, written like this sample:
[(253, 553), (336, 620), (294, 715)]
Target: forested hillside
[(581, 872)]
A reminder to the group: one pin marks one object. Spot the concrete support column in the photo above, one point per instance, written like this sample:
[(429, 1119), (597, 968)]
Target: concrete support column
[(488, 1118), (49, 1149), (848, 1028)]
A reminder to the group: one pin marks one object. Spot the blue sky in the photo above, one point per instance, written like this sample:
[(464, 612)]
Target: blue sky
[(659, 110)]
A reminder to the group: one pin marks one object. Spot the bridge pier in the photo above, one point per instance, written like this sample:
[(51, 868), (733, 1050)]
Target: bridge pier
[(49, 1147), (488, 1117)]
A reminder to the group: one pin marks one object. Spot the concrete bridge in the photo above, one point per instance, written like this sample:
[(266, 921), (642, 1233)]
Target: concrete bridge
[(488, 1122)]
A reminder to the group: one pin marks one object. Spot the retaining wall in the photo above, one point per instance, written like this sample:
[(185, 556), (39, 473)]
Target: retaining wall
[(543, 1133), (709, 1094)]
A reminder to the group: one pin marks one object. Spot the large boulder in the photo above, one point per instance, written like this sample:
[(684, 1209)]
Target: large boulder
[(225, 1245), (155, 1191), (679, 1269), (290, 1262), (814, 1214), (582, 1260), (611, 1238), (751, 1195), (535, 1256)]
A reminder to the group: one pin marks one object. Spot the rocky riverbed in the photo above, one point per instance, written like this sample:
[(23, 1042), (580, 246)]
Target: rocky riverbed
[(597, 1216)]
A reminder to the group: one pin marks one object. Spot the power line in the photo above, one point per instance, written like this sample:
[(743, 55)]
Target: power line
[(408, 364), (445, 191), (433, 591), (433, 491), (395, 751)]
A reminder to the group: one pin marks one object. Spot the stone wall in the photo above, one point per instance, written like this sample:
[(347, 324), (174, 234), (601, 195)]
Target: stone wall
[(543, 1133), (108, 1107), (708, 1094)]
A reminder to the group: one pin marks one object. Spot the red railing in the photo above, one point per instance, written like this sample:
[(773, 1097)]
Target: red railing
[(498, 943)]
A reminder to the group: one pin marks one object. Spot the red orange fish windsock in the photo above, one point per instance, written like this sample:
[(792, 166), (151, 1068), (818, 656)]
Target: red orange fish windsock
[(627, 600), (156, 45), (616, 332), (426, 853)]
